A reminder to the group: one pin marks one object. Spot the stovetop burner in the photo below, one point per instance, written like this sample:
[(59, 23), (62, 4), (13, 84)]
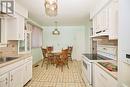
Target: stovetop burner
[(96, 57)]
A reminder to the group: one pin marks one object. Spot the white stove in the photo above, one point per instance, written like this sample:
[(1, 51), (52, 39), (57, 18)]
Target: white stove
[(104, 53), (87, 60)]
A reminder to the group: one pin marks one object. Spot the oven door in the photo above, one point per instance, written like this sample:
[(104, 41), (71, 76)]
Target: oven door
[(86, 71)]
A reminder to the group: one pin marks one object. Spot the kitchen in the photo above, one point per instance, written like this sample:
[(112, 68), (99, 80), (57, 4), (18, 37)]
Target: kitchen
[(100, 45)]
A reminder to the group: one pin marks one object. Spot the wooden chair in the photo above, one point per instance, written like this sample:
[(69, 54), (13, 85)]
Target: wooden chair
[(70, 48), (50, 49), (48, 57), (44, 52), (62, 59)]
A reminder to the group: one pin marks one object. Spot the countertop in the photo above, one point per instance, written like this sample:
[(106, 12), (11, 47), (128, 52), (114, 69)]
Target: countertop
[(20, 57), (113, 74)]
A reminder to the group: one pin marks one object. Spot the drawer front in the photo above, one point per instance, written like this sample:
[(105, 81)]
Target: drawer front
[(10, 67)]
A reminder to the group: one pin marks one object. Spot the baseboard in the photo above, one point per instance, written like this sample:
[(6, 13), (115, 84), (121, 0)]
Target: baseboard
[(37, 63)]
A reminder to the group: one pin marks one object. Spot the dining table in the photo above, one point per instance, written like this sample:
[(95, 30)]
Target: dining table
[(56, 54)]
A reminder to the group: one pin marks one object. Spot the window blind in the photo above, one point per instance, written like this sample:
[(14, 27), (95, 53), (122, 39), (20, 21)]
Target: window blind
[(36, 37)]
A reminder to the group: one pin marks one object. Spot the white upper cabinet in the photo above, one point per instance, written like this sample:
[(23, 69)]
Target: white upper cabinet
[(15, 28), (3, 28), (105, 20), (16, 25), (113, 20), (9, 8)]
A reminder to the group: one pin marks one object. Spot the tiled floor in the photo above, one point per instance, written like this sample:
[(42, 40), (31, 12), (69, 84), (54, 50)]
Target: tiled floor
[(53, 77)]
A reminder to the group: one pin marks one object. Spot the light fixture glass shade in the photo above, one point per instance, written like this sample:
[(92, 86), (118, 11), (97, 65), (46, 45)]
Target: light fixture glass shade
[(51, 7), (56, 32)]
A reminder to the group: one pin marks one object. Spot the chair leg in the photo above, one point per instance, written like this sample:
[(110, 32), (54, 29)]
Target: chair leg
[(61, 68), (47, 65), (56, 65), (70, 58), (67, 65), (42, 63)]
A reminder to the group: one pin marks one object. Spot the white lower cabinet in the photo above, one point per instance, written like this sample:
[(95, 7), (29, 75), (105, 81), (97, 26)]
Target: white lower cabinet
[(102, 78), (16, 77), (28, 71), (17, 74), (4, 80)]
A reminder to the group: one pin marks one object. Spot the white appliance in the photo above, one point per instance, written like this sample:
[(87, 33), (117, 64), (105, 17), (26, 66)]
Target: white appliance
[(86, 70), (104, 53)]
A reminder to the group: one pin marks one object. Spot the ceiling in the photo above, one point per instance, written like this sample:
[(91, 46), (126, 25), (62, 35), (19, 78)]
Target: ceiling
[(70, 12)]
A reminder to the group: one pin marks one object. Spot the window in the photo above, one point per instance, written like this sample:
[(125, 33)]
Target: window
[(36, 37)]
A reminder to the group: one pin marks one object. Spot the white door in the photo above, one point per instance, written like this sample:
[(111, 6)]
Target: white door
[(4, 80), (79, 45), (16, 77)]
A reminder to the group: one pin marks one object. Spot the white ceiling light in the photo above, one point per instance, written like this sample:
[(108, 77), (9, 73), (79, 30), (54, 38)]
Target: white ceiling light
[(51, 7), (56, 31)]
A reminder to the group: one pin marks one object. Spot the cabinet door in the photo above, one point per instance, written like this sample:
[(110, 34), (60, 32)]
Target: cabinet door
[(3, 38), (99, 79), (15, 28), (28, 41), (105, 20), (16, 77), (21, 46), (113, 20), (4, 80), (21, 26), (27, 71), (102, 78)]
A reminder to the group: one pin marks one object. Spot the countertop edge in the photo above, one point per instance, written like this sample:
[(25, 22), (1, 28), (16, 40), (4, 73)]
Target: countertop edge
[(113, 74), (20, 57)]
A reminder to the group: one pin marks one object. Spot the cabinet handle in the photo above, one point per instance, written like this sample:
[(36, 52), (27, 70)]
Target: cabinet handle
[(103, 76), (6, 81), (11, 78), (104, 48), (104, 31), (98, 32)]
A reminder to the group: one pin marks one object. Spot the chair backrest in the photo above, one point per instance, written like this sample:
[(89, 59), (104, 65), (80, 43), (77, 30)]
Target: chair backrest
[(50, 49), (44, 52), (70, 48), (64, 54)]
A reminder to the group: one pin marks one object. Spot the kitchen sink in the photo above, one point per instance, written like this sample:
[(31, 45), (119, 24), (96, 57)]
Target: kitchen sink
[(109, 66), (6, 59)]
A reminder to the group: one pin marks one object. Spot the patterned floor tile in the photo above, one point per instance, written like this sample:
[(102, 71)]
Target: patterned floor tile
[(53, 77)]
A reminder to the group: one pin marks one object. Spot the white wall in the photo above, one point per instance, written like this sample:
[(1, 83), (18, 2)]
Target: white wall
[(124, 43), (69, 36), (88, 40)]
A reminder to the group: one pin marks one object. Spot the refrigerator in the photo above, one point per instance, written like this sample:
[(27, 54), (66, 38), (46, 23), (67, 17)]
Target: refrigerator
[(124, 44)]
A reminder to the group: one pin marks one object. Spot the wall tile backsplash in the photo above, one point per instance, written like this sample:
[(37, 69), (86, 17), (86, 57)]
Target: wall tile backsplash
[(11, 48)]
